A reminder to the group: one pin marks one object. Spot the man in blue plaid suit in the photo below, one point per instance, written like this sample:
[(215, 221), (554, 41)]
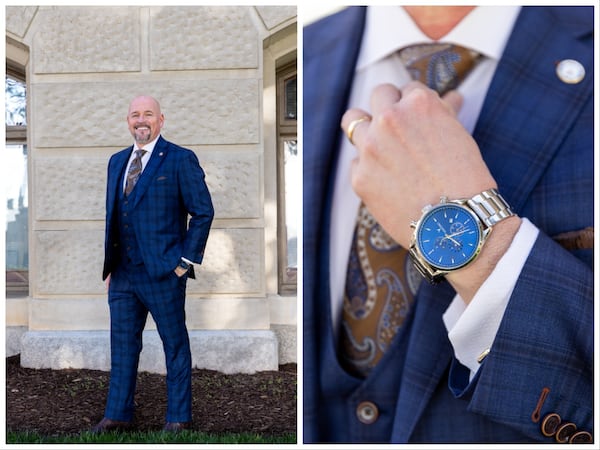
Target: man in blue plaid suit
[(150, 249), (502, 350)]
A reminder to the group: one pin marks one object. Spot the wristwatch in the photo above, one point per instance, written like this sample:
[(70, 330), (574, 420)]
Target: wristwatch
[(450, 235), (185, 266)]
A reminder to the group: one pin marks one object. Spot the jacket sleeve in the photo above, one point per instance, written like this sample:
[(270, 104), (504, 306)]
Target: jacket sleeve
[(198, 203), (545, 343)]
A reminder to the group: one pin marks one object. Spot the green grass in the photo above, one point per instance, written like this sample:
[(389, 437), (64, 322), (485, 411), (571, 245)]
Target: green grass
[(154, 437)]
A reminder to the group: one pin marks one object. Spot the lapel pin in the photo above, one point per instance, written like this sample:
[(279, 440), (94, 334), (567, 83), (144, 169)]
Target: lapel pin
[(570, 71), (160, 154)]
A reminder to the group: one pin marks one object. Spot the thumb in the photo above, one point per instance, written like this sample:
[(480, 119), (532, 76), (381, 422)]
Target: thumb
[(454, 101)]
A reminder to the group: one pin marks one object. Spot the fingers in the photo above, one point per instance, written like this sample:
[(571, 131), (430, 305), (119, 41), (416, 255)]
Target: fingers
[(354, 123), (453, 100), (383, 97)]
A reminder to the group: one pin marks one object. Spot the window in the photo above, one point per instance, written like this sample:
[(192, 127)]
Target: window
[(288, 179), (15, 186)]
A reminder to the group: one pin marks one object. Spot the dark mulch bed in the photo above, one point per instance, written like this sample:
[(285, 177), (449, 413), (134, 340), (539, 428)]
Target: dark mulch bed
[(62, 402)]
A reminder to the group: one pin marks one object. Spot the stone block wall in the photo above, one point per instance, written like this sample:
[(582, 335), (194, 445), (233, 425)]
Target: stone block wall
[(213, 70)]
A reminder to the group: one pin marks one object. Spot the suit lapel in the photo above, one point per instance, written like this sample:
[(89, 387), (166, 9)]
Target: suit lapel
[(332, 44), (115, 178), (156, 158), (337, 46), (528, 109)]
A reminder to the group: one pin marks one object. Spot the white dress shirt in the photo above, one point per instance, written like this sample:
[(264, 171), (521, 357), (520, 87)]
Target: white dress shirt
[(388, 28)]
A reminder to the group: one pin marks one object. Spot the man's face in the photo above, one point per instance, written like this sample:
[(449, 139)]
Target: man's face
[(144, 119)]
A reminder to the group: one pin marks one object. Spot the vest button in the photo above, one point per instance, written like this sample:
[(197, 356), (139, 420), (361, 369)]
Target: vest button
[(367, 412)]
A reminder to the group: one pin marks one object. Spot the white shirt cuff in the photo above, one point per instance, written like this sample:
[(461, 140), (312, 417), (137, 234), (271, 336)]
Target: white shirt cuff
[(472, 329)]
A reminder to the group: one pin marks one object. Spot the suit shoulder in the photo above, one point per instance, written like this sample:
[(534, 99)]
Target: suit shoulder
[(577, 20), (180, 155), (178, 150), (320, 35), (121, 154)]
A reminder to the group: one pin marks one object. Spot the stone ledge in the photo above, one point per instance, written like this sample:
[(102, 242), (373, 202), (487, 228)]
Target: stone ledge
[(226, 351), (286, 336), (14, 335)]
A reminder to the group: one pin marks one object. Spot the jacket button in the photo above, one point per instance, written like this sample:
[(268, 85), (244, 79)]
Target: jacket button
[(367, 412), (564, 432), (581, 437), (550, 424)]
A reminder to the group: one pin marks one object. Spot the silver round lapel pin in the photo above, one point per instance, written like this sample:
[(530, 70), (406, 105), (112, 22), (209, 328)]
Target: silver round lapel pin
[(570, 71)]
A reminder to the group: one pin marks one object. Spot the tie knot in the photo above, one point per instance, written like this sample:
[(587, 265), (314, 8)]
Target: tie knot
[(439, 66), (140, 153)]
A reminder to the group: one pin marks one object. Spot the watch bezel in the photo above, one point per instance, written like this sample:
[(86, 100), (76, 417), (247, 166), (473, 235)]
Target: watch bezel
[(429, 269)]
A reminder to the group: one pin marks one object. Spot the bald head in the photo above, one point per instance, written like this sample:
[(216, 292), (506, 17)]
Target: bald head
[(144, 119)]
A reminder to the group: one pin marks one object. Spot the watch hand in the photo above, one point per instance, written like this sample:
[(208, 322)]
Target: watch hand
[(458, 233), (449, 237)]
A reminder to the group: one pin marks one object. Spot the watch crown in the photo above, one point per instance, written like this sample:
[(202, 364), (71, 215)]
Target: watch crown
[(443, 199)]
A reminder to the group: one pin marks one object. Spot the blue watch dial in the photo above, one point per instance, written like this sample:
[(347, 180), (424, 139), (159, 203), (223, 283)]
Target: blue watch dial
[(449, 236)]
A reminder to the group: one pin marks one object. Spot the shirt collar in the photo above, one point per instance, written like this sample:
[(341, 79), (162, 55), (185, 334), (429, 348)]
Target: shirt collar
[(389, 28), (148, 147)]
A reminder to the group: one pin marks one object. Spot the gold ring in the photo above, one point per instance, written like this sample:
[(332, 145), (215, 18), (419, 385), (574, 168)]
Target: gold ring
[(353, 125)]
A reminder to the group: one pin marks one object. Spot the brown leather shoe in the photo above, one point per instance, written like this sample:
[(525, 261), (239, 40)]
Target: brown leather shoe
[(176, 427), (106, 425)]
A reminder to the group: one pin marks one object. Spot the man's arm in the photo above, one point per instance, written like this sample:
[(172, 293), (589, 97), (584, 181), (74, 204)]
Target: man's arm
[(198, 203), (416, 150)]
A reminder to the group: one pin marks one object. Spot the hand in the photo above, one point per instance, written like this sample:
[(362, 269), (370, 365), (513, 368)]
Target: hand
[(180, 271), (107, 281), (412, 152)]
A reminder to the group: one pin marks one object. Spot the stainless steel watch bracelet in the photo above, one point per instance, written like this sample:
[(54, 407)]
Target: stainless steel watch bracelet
[(490, 207)]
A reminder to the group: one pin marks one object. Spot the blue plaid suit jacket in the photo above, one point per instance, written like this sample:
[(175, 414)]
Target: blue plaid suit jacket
[(536, 135), (170, 189)]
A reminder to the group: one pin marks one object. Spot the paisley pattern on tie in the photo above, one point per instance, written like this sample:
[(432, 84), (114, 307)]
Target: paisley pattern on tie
[(377, 296), (440, 66), (134, 172)]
